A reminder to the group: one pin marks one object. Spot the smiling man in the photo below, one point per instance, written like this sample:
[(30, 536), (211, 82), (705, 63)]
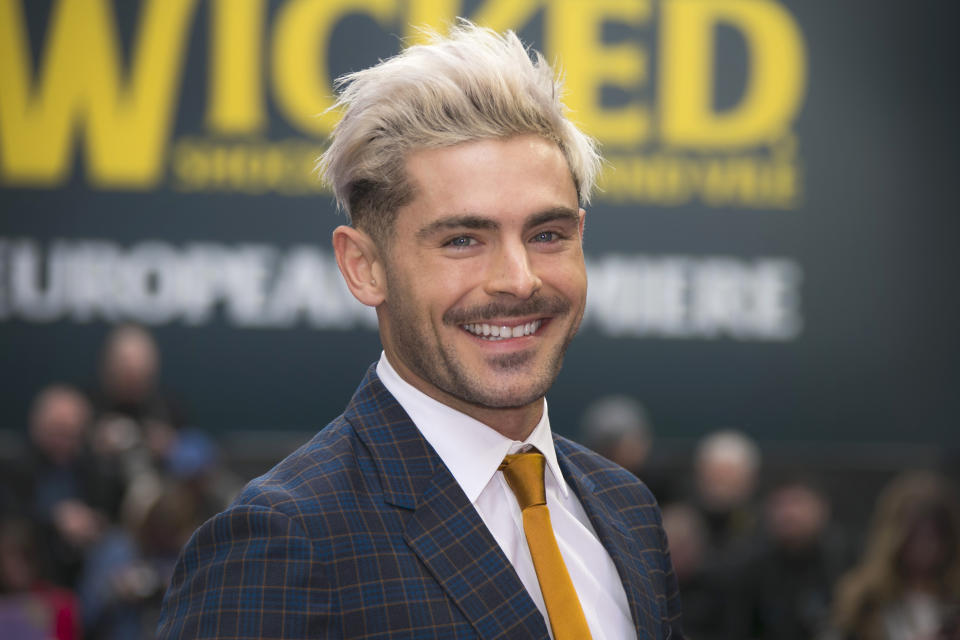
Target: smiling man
[(440, 504)]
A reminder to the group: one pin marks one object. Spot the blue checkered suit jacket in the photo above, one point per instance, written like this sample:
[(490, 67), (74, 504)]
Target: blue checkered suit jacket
[(364, 533)]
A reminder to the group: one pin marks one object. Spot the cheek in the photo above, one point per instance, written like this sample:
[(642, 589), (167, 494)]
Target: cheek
[(454, 285), (424, 300), (570, 279)]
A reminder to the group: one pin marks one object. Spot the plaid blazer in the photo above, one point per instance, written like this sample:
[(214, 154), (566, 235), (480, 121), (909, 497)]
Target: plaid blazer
[(364, 533)]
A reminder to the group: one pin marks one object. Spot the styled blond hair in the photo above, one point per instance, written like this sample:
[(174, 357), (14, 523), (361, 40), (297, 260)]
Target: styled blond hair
[(470, 85)]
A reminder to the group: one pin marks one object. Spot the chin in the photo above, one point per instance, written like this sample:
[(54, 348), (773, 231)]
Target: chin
[(508, 394), (502, 401)]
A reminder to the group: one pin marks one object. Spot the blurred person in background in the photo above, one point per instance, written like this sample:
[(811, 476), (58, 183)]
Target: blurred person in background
[(136, 423), (195, 463), (704, 586), (725, 468), (31, 607), (907, 584), (618, 427), (127, 572), (60, 486), (785, 589)]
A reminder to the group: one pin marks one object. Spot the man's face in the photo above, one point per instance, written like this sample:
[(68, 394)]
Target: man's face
[(486, 281)]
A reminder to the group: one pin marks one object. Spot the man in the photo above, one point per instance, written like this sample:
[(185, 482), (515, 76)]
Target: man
[(402, 519), (67, 493)]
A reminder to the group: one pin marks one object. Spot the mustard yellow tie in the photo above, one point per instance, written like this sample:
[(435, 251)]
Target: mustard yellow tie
[(524, 474)]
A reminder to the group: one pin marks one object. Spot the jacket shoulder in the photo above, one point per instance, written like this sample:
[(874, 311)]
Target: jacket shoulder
[(314, 479), (262, 567)]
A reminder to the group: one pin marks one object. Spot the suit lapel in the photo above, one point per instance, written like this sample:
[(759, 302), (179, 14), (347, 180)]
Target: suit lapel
[(616, 538), (443, 529)]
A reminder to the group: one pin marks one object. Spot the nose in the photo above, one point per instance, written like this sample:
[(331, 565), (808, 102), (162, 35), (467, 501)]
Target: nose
[(511, 273)]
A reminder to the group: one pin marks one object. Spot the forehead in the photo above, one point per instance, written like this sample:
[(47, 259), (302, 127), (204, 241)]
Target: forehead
[(499, 178)]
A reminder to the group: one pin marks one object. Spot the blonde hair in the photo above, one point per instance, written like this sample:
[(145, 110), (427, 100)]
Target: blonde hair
[(865, 591), (473, 84)]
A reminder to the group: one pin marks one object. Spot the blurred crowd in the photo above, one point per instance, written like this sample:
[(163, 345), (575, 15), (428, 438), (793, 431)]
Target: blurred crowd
[(113, 483), (92, 517), (759, 555)]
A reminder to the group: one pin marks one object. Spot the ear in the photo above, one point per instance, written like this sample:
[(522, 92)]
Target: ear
[(583, 217), (359, 261)]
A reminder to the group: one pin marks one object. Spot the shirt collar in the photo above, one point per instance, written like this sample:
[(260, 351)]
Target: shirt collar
[(471, 450)]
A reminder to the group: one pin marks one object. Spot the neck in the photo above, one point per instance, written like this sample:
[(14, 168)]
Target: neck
[(516, 424)]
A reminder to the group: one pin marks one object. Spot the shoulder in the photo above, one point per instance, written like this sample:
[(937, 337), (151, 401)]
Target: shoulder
[(313, 494), (270, 548), (312, 481)]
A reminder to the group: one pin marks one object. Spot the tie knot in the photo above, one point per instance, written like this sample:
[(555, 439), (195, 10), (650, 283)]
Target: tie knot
[(524, 474)]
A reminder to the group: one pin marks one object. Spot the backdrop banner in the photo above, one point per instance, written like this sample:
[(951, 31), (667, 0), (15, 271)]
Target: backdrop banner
[(773, 247)]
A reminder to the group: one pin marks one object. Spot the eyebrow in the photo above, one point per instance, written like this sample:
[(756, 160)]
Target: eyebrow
[(467, 221), (474, 221), (561, 214)]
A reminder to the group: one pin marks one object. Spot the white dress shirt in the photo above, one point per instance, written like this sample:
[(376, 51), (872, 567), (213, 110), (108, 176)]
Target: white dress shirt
[(472, 452)]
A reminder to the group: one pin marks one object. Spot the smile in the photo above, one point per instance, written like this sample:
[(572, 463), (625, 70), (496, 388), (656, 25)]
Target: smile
[(499, 332)]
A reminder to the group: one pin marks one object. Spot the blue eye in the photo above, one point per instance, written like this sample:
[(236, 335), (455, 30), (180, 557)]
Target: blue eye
[(461, 242), (545, 236)]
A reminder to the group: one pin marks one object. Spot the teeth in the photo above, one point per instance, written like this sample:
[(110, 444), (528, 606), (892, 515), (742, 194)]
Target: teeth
[(496, 332)]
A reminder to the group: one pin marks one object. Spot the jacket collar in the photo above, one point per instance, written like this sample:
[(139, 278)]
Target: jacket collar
[(405, 461)]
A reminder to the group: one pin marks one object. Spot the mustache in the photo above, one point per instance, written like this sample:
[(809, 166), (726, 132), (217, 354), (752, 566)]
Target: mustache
[(540, 306)]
